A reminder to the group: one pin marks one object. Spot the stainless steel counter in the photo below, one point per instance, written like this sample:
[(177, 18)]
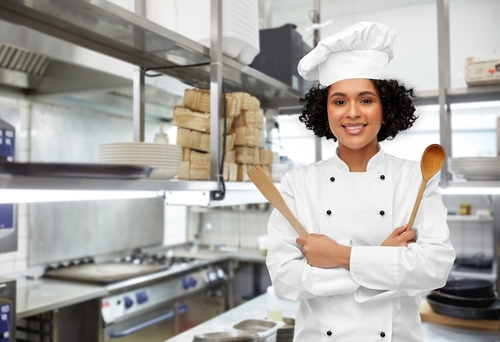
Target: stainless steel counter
[(37, 296), (257, 308)]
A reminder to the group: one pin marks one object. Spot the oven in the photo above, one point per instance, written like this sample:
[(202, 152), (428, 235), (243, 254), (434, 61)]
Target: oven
[(159, 311), (150, 297)]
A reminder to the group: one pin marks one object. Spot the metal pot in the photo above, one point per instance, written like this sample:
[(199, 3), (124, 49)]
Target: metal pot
[(226, 336)]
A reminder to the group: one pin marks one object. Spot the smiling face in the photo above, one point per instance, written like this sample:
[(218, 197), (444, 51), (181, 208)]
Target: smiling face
[(355, 115)]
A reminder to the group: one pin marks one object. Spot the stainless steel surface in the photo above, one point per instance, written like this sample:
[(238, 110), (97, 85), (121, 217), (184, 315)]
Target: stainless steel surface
[(91, 228), (42, 295), (102, 273), (496, 239), (234, 195), (8, 306), (498, 136), (12, 116), (226, 336), (216, 87), (200, 307), (55, 183), (180, 285), (130, 310), (139, 99), (115, 34), (257, 308), (67, 73), (443, 17), (157, 325)]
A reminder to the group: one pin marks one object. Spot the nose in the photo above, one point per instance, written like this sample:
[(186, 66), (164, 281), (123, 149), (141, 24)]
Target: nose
[(352, 111)]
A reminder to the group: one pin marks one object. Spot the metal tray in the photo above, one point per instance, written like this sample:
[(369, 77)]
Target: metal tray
[(77, 170)]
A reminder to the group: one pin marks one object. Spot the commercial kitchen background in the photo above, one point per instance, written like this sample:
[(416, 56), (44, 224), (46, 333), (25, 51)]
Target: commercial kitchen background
[(49, 131)]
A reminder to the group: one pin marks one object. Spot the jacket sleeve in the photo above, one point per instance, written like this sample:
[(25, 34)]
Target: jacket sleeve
[(292, 277), (385, 272)]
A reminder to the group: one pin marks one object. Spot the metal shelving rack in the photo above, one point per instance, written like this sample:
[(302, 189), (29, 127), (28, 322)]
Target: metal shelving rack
[(109, 29), (445, 97)]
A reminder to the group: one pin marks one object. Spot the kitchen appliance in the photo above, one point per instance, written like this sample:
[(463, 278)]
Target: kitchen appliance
[(8, 240), (7, 309), (152, 296), (281, 49), (226, 336)]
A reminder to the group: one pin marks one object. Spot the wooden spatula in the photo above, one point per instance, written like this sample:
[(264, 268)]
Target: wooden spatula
[(272, 194)]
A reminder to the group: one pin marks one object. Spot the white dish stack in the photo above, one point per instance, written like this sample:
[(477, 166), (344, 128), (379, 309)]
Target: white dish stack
[(191, 18), (476, 168), (162, 12), (166, 158), (240, 26)]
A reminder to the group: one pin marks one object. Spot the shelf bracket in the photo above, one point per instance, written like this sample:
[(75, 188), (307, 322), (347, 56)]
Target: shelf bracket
[(139, 82), (216, 99), (138, 104), (443, 23)]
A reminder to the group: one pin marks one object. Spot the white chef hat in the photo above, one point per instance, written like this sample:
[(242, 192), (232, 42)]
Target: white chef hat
[(362, 50)]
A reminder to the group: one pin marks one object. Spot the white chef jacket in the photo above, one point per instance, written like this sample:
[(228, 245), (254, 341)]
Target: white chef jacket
[(378, 299)]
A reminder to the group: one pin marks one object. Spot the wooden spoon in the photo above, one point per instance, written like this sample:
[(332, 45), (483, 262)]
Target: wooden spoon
[(432, 161), (272, 194)]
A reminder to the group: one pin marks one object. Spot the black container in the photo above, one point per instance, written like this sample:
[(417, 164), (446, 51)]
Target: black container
[(469, 287), (281, 49)]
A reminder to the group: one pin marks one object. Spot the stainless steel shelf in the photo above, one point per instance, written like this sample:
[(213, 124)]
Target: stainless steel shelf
[(468, 218), (112, 30), (461, 95), (8, 181), (474, 184)]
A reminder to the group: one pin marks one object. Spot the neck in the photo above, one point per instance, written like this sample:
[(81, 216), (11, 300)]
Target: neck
[(357, 160)]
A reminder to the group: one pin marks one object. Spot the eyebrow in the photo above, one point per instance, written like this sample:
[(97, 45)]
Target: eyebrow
[(363, 93)]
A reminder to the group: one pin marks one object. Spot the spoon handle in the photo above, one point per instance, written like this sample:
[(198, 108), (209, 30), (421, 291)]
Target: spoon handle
[(416, 205), (272, 194)]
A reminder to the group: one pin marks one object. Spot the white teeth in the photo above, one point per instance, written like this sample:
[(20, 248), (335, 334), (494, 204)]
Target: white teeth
[(353, 127)]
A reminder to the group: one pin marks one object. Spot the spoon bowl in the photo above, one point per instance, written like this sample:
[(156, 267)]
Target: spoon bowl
[(432, 161)]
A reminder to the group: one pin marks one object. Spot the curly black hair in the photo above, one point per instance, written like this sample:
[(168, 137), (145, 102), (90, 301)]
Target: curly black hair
[(397, 106)]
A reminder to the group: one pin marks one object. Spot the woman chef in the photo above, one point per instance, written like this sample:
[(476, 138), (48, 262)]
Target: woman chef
[(359, 275)]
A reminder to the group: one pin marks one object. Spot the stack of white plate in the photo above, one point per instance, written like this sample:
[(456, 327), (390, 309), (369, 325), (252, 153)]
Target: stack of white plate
[(476, 168), (166, 158), (240, 26)]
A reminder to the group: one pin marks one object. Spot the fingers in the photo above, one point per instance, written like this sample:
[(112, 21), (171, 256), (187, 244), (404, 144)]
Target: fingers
[(302, 240)]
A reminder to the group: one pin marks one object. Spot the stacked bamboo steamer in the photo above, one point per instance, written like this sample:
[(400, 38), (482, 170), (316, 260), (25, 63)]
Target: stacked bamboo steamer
[(244, 126)]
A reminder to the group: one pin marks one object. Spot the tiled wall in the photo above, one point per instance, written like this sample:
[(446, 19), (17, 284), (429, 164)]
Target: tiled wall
[(176, 218), (470, 237), (240, 228), (234, 227)]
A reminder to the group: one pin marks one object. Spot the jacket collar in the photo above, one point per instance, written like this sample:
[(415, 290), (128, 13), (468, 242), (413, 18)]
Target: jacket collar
[(375, 163)]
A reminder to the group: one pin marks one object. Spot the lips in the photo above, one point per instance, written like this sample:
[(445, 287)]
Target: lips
[(353, 127)]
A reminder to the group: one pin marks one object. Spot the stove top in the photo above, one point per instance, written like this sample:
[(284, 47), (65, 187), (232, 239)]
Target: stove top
[(122, 268), (160, 259)]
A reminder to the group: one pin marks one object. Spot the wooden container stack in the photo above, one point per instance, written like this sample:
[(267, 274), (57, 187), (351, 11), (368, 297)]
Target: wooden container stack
[(193, 134), (244, 126)]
